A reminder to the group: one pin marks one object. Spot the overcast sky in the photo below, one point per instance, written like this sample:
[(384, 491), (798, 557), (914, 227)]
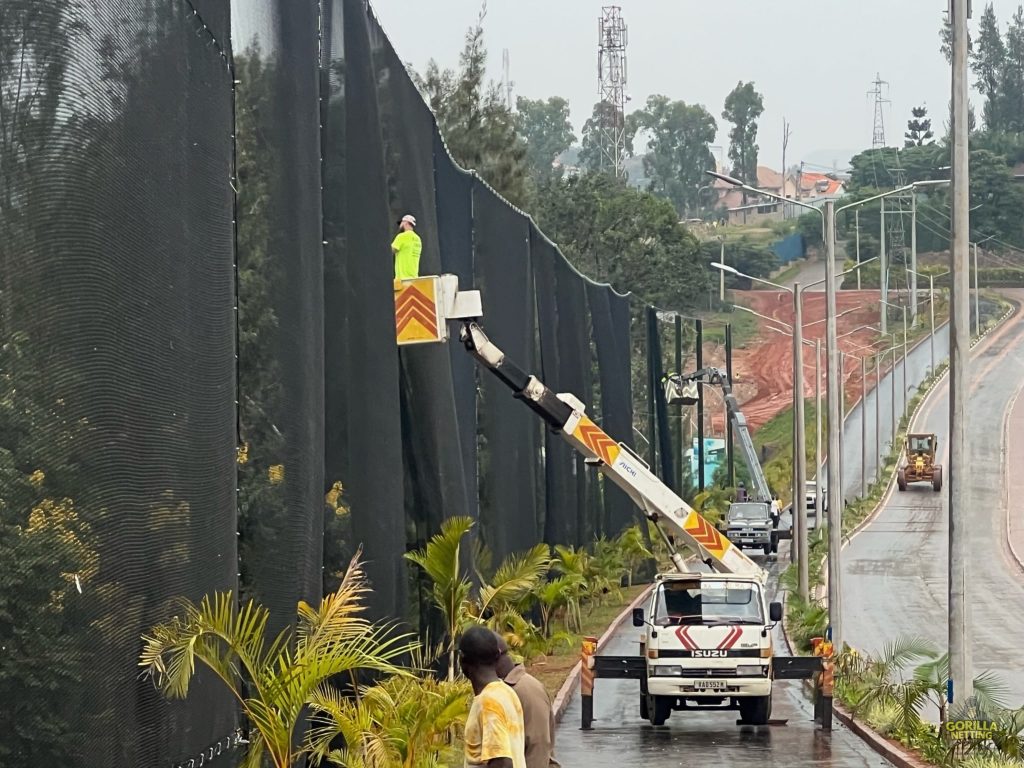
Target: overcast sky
[(813, 60)]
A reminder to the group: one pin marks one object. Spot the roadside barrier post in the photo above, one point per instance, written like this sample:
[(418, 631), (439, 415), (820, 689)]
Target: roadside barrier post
[(587, 651)]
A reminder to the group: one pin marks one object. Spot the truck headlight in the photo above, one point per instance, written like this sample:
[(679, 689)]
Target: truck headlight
[(749, 670), (663, 670)]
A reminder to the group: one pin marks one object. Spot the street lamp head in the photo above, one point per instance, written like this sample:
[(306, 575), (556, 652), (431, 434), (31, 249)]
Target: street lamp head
[(726, 268), (727, 179)]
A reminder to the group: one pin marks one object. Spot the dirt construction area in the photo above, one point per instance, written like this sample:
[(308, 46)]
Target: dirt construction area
[(763, 368)]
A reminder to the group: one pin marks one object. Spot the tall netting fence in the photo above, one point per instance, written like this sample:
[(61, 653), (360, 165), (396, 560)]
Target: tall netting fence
[(117, 370), (200, 389)]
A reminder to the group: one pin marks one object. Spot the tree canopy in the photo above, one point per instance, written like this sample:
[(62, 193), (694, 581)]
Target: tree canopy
[(743, 106), (919, 128), (678, 138), (545, 127)]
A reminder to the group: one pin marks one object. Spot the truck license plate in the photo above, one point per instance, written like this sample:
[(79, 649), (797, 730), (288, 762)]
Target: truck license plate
[(709, 685)]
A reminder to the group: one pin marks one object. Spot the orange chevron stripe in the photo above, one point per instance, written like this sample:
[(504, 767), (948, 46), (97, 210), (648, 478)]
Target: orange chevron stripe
[(415, 314), (706, 535), (591, 435), (426, 319)]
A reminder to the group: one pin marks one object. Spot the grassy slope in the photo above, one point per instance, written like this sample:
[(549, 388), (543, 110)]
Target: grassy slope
[(553, 670)]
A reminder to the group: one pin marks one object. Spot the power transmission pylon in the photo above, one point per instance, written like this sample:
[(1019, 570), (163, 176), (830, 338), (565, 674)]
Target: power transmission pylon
[(878, 134), (611, 74)]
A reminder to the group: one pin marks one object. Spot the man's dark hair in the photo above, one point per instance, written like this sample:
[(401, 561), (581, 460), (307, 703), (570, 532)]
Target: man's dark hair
[(479, 647)]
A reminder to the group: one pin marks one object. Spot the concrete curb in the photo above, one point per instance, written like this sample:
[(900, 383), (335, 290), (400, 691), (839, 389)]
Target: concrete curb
[(565, 693), (1006, 473)]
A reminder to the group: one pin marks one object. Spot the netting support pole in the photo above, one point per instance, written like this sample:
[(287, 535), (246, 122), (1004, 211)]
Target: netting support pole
[(700, 407), (679, 442), (728, 422)]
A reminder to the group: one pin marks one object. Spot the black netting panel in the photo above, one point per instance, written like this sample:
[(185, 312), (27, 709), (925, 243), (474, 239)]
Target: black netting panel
[(509, 440), (363, 429), (455, 240), (562, 314), (117, 417), (430, 437), (609, 313), (281, 299)]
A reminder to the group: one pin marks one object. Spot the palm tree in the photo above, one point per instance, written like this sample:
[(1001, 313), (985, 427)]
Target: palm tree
[(634, 550), (402, 721), (275, 681), (451, 589)]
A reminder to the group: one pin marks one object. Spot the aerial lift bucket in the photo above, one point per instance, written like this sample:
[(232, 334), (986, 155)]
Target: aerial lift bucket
[(424, 305)]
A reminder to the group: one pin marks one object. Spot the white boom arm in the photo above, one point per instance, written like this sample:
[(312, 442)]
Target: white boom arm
[(564, 413)]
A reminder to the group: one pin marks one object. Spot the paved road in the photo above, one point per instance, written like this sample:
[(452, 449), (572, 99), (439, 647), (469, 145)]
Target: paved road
[(620, 738), (895, 570)]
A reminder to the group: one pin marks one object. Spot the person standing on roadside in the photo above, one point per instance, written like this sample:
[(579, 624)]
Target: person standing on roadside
[(407, 247), (494, 729), (538, 719)]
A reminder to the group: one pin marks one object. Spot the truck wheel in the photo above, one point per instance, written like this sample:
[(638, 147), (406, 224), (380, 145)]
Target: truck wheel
[(643, 707), (756, 710), (767, 548), (901, 480), (937, 479), (662, 709)]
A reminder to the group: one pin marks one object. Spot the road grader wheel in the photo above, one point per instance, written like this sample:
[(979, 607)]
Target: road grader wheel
[(937, 479), (901, 479)]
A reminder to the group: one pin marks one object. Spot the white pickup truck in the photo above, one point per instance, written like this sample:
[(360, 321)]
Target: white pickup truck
[(707, 643)]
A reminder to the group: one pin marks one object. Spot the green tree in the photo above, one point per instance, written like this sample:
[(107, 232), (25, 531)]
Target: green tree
[(545, 127), (1010, 111), (604, 119), (743, 106), (678, 138), (919, 128), (273, 679), (988, 60), (629, 238), (476, 123)]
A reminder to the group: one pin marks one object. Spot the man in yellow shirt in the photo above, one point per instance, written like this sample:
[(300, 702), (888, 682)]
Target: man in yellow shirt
[(494, 735), (407, 247)]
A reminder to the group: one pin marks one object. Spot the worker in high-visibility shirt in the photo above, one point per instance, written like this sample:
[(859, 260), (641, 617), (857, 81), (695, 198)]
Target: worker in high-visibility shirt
[(407, 247)]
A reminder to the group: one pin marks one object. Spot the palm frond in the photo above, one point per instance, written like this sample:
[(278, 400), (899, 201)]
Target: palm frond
[(440, 559), (903, 650), (516, 577), (991, 692)]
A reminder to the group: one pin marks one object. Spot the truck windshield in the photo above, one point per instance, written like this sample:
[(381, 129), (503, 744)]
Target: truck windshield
[(748, 512), (707, 602)]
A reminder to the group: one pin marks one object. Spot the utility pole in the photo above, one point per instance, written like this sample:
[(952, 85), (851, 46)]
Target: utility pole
[(507, 83), (913, 258), (835, 500), (611, 75), (798, 507), (961, 677), (856, 219)]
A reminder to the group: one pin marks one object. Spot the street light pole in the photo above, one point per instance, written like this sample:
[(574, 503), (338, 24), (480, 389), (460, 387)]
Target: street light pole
[(856, 219), (883, 281), (878, 416), (977, 313), (817, 437), (863, 427), (721, 275), (892, 382), (799, 507), (835, 502), (959, 357), (913, 258)]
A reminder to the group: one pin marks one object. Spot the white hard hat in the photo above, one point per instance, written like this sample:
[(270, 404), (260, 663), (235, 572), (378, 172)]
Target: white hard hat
[(409, 218)]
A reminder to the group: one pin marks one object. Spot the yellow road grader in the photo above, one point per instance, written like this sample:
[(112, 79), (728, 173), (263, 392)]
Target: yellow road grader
[(919, 465)]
